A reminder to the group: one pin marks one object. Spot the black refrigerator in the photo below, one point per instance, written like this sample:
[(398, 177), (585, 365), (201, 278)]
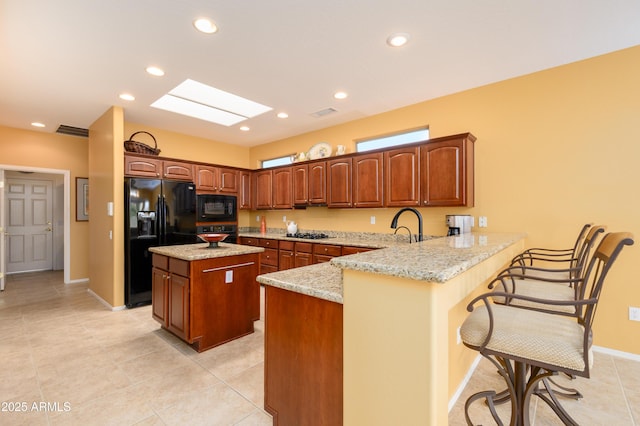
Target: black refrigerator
[(158, 213)]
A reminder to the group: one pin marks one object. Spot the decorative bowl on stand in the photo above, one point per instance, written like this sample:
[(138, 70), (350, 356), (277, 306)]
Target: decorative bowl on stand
[(212, 239)]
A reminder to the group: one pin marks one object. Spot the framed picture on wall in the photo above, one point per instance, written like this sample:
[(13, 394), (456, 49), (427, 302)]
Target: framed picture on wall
[(82, 199)]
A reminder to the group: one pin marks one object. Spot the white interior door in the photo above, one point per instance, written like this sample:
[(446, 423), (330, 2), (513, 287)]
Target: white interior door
[(28, 231)]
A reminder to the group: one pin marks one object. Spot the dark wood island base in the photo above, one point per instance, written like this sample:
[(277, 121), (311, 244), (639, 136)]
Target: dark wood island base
[(206, 302)]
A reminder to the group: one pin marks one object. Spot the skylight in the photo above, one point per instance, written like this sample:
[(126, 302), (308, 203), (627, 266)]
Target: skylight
[(204, 102)]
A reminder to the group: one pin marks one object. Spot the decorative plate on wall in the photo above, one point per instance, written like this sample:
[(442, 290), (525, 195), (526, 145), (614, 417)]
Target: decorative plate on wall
[(320, 150)]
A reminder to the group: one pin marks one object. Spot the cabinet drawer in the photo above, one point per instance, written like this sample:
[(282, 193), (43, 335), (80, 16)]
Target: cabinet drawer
[(179, 266), (248, 241), (353, 250), (304, 247), (286, 245), (327, 250), (269, 257), (160, 261), (266, 242)]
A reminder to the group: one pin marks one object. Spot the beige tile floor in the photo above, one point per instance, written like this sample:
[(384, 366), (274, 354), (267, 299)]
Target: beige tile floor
[(88, 365)]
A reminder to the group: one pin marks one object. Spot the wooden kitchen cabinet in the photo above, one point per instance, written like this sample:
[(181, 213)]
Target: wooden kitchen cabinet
[(206, 302), (303, 377), (402, 177), (216, 179), (367, 180), (303, 255), (325, 252), (244, 192), (263, 189), (146, 166), (317, 183), (286, 256), (339, 183), (282, 194), (447, 171), (300, 184), (346, 250), (142, 166), (170, 294)]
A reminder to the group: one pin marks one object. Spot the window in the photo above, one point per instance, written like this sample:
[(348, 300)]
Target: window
[(409, 136), (280, 161)]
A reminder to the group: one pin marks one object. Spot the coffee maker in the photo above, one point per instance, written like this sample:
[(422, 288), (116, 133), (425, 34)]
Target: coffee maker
[(459, 224)]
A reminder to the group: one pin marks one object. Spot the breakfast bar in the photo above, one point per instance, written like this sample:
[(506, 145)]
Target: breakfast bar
[(382, 327)]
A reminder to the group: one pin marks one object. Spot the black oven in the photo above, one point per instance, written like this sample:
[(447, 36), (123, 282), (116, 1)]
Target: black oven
[(217, 208)]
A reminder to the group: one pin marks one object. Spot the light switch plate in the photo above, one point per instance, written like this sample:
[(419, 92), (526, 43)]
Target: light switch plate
[(228, 277)]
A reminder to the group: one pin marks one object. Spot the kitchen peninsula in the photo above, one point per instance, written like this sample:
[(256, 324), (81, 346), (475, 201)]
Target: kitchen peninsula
[(206, 296), (370, 338)]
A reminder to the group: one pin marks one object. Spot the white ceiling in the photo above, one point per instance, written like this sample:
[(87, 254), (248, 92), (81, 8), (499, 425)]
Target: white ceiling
[(66, 61)]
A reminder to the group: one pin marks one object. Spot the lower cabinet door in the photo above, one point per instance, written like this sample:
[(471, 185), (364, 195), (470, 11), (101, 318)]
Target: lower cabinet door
[(178, 317), (159, 298)]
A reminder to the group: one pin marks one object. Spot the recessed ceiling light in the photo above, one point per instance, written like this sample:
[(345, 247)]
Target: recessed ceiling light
[(205, 25), (207, 103), (155, 71), (37, 124), (127, 97), (340, 95), (283, 115), (245, 128), (398, 39)]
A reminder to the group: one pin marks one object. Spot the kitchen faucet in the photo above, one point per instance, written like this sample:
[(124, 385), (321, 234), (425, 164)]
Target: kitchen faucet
[(394, 221), (409, 230)]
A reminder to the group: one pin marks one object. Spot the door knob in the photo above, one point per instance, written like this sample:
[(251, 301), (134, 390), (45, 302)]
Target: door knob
[(48, 229)]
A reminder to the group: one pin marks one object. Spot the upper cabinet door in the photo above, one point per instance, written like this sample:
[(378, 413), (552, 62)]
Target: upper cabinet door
[(177, 170), (300, 184), (402, 177), (228, 181), (318, 183), (206, 178), (339, 183), (142, 166), (282, 198), (447, 172), (367, 180), (263, 189), (244, 193)]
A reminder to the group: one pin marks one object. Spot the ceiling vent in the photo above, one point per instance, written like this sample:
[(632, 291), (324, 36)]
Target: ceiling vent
[(324, 112), (73, 131)]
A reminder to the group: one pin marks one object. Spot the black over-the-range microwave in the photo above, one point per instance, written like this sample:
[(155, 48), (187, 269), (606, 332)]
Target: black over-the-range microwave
[(217, 208)]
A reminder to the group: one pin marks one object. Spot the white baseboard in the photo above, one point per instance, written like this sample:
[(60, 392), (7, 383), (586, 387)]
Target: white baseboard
[(80, 281), (464, 382), (614, 352), (104, 302)]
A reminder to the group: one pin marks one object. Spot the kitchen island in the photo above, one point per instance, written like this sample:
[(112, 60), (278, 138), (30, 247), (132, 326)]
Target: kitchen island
[(206, 296), (375, 341)]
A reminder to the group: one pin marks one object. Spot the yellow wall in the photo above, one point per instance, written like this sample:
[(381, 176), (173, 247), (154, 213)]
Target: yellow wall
[(53, 151), (555, 149), (176, 145), (106, 170)]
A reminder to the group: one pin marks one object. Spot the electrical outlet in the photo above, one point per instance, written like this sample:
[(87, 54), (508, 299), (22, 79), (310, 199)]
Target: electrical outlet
[(482, 221), (284, 218), (634, 313), (458, 337), (258, 218), (373, 220)]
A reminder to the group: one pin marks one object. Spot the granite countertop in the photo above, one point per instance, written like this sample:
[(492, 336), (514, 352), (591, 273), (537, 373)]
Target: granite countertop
[(202, 251), (321, 280), (356, 239), (437, 260)]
